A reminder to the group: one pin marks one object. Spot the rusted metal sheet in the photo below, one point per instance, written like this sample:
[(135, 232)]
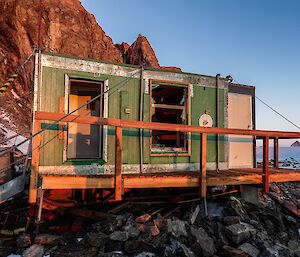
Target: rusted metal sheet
[(11, 188)]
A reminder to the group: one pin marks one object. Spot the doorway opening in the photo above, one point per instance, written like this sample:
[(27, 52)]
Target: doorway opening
[(85, 141)]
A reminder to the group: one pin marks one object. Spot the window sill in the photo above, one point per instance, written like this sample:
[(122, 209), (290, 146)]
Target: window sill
[(84, 162), (157, 154)]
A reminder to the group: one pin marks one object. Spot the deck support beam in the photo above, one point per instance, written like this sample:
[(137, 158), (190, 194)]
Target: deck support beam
[(266, 172), (35, 161), (118, 165), (276, 154), (40, 209), (203, 165)]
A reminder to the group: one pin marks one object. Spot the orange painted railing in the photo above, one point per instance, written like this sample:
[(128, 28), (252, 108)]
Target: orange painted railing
[(119, 124)]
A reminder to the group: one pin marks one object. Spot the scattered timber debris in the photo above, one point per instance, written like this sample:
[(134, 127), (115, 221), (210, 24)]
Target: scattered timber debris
[(160, 228)]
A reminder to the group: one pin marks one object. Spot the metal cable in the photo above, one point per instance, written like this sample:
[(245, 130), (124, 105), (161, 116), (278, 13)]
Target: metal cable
[(13, 77), (274, 110), (281, 115), (38, 147), (121, 84)]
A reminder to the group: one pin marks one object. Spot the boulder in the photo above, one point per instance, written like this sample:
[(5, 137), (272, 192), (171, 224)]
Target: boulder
[(177, 228), (47, 239), (270, 252), (250, 249), (132, 230), (112, 254), (205, 242), (154, 230), (96, 239), (119, 235), (143, 218), (145, 254), (34, 251), (178, 249), (236, 208), (239, 233), (230, 220)]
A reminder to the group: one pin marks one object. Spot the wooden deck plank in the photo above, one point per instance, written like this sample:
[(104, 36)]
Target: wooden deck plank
[(172, 179)]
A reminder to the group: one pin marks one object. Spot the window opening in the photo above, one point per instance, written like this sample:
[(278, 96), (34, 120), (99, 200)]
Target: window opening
[(169, 105)]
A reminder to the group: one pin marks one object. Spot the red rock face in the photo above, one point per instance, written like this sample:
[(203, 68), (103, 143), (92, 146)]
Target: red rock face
[(67, 28), (123, 48), (170, 68), (141, 53)]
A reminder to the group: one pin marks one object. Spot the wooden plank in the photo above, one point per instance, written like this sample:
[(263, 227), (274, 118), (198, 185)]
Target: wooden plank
[(160, 180), (203, 165), (35, 163), (234, 180), (77, 182), (168, 106), (118, 165), (276, 154), (164, 126), (285, 177), (266, 171)]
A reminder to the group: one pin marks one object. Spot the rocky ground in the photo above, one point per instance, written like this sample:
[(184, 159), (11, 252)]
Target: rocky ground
[(290, 163), (162, 228)]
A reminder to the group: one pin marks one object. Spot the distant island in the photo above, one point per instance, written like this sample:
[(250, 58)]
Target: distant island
[(295, 144)]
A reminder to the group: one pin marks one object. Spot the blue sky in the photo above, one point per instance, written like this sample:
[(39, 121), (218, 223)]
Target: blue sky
[(257, 42)]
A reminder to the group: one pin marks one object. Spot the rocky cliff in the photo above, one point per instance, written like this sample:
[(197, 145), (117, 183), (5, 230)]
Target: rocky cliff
[(295, 144), (66, 28)]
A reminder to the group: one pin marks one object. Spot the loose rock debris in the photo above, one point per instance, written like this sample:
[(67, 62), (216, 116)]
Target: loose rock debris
[(232, 228)]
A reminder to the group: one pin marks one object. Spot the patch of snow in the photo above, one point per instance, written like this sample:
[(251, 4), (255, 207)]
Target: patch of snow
[(5, 117), (17, 139), (14, 255)]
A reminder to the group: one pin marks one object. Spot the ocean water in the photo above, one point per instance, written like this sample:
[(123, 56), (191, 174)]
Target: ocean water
[(285, 153)]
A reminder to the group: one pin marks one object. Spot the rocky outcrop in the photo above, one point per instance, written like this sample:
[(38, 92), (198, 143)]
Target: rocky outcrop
[(66, 28), (141, 52), (295, 144)]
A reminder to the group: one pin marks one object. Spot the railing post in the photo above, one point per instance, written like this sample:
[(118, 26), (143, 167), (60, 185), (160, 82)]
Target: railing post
[(118, 165), (276, 155), (35, 162), (266, 181), (203, 165)]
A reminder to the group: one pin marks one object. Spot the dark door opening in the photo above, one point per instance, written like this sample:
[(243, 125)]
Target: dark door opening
[(85, 141)]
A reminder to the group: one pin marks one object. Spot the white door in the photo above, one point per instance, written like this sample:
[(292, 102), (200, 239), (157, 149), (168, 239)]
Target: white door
[(240, 117)]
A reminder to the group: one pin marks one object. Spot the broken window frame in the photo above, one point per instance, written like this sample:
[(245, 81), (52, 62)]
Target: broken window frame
[(187, 151)]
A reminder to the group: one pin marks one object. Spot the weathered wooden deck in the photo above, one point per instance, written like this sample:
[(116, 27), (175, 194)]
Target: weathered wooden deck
[(171, 179), (201, 179)]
